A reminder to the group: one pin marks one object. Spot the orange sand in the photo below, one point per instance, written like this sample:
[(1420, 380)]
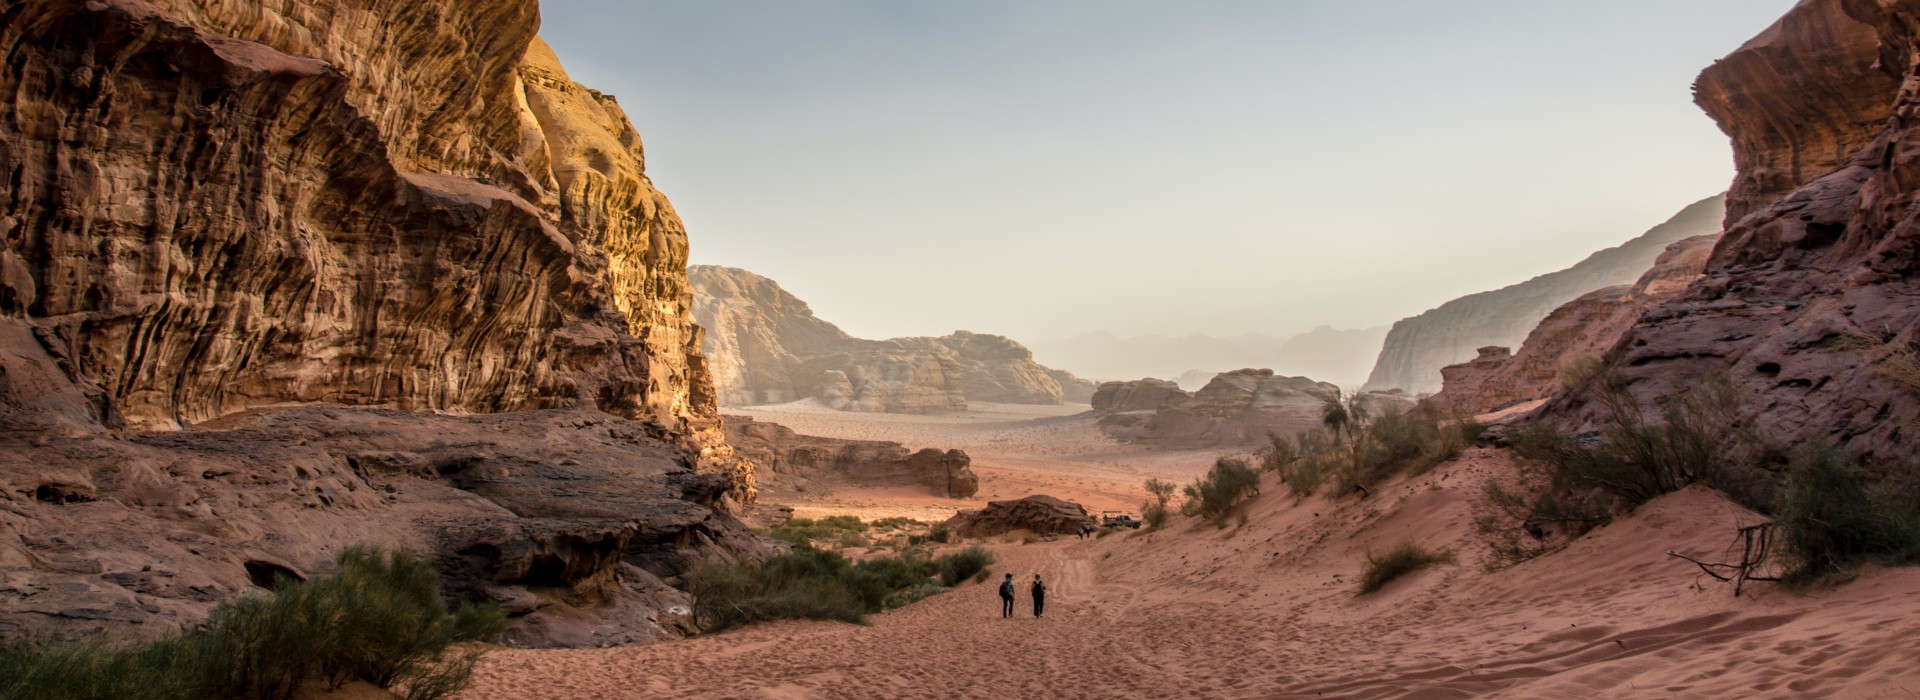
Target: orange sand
[(1268, 610)]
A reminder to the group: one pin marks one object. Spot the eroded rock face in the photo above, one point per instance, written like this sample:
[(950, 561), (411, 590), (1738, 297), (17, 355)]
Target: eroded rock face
[(1139, 395), (785, 456), (1580, 331), (568, 519), (767, 347), (1236, 409), (1041, 515), (1418, 347), (223, 205), (1822, 245)]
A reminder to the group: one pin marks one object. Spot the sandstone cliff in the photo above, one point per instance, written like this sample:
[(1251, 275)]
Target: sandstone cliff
[(1418, 347), (787, 458), (1580, 331), (1236, 409), (1810, 292), (220, 211), (766, 346)]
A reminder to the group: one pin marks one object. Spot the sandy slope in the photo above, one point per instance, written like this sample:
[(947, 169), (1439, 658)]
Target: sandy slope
[(1268, 610)]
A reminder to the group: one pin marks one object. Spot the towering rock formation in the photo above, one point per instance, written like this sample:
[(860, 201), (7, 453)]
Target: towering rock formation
[(218, 207), (1579, 331), (766, 346), (1812, 289), (1418, 347)]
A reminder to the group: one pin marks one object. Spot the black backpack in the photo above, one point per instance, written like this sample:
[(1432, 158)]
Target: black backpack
[(1006, 588)]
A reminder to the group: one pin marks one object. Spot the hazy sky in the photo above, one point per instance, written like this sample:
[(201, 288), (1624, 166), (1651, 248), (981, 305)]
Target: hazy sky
[(1040, 168)]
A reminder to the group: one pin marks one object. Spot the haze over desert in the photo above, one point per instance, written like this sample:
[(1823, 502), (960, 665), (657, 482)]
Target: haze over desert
[(1077, 349)]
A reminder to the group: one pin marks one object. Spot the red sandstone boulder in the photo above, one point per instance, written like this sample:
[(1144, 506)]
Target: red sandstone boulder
[(1043, 515)]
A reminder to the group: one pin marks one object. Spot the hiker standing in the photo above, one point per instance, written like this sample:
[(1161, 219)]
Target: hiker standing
[(1006, 596), (1039, 596)]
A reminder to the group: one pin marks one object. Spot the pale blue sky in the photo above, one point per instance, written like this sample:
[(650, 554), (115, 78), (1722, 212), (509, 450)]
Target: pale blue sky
[(1041, 168)]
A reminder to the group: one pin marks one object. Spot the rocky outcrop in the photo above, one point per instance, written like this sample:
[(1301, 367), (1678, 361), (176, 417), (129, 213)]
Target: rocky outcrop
[(786, 457), (1138, 395), (1579, 331), (1040, 515), (570, 520), (766, 347), (1811, 290), (1236, 409), (216, 208), (1418, 347)]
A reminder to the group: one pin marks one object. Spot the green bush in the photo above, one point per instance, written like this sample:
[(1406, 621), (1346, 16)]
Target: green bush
[(841, 530), (1213, 495), (958, 567), (807, 583), (1829, 518), (378, 619), (1399, 561), (1155, 511), (1360, 446)]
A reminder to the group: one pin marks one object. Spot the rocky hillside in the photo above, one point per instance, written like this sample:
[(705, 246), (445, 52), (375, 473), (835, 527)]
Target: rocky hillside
[(789, 460), (1807, 304), (766, 347), (219, 212), (1578, 332), (1418, 347)]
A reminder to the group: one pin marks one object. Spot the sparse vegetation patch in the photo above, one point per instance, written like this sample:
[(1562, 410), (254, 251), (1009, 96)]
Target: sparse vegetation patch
[(1399, 561)]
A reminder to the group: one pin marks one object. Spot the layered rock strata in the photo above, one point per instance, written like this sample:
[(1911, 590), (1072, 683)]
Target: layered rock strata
[(1236, 409), (1578, 332), (570, 520), (1806, 306), (787, 458), (218, 208), (1139, 395), (766, 347), (1418, 347)]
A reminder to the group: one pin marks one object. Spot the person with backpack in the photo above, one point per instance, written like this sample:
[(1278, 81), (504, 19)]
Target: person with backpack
[(1006, 596), (1039, 596)]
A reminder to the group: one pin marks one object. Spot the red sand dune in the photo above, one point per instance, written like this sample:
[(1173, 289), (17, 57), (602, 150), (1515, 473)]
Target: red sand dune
[(1268, 610)]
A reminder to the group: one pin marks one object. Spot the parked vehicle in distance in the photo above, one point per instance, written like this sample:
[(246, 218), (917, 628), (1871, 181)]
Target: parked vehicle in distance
[(1114, 518)]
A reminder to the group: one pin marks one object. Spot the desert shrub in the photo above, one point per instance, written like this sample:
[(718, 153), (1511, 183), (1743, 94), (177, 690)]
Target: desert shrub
[(1639, 455), (1280, 454), (1359, 446), (1399, 561), (378, 619), (939, 534), (808, 583), (1155, 511), (895, 523), (1213, 495), (842, 530), (1830, 518), (960, 566)]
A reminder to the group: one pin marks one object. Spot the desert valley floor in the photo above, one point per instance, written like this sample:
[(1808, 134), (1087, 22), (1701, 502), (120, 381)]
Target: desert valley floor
[(1268, 608)]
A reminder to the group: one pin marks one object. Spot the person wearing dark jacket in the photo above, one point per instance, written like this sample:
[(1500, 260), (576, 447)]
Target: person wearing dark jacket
[(1039, 596), (1006, 597)]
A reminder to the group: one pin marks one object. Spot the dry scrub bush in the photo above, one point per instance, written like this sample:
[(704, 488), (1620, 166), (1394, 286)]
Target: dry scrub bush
[(1357, 446), (1830, 516), (812, 584), (1155, 510), (1399, 561), (1213, 495), (378, 619)]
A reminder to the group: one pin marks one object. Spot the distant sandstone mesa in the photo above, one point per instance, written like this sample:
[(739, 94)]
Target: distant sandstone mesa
[(766, 347), (222, 217), (1418, 347)]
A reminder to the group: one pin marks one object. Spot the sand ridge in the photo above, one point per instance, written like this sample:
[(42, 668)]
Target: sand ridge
[(1268, 610)]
